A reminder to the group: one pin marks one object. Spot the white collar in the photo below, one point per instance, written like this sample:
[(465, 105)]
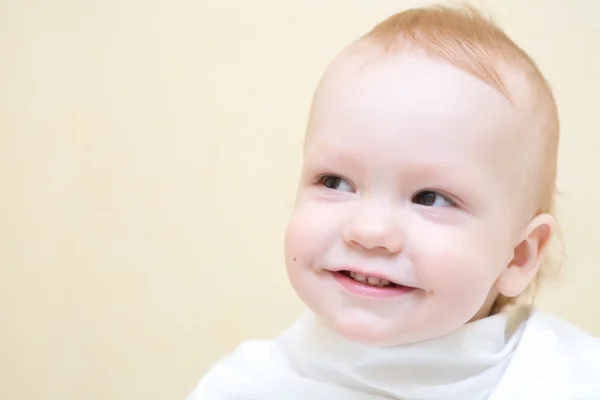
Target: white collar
[(465, 364)]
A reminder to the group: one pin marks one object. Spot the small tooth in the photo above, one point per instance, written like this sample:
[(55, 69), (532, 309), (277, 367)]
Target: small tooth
[(360, 278), (385, 282), (352, 274), (373, 280)]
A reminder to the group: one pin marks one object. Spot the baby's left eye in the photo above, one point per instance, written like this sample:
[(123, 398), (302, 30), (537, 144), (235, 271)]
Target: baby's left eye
[(430, 198)]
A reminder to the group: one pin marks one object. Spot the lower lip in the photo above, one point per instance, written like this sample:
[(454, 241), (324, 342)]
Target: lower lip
[(368, 290)]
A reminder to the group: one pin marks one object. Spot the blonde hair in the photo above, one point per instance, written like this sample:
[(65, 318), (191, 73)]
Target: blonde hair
[(463, 37)]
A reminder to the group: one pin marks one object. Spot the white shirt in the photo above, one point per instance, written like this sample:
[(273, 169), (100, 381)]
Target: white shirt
[(543, 358)]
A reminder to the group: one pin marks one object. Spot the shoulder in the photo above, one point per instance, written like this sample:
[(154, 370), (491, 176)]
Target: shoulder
[(573, 342), (236, 370), (554, 359)]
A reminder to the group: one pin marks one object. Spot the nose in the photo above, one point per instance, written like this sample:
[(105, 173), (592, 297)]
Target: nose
[(375, 227)]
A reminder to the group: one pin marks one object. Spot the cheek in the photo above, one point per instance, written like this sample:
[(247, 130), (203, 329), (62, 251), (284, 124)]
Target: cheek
[(308, 234), (459, 261), (295, 242)]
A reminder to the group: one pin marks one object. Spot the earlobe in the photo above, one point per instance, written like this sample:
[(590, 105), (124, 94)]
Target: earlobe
[(528, 256)]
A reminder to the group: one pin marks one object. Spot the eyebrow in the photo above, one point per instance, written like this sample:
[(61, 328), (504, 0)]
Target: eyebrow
[(336, 155), (429, 169)]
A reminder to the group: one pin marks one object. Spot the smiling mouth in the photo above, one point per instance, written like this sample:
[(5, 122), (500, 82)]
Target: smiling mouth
[(370, 286), (369, 280)]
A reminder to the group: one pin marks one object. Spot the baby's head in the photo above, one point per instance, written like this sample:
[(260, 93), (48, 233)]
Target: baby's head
[(428, 179)]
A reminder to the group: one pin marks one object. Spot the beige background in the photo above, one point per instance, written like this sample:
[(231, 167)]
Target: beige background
[(148, 158)]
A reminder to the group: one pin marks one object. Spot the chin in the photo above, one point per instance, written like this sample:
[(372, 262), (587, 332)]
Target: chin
[(368, 330)]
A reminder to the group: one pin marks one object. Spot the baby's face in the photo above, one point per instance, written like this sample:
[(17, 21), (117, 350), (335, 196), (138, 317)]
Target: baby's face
[(406, 212)]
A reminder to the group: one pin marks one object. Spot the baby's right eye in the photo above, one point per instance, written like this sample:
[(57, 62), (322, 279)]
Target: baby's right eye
[(336, 183)]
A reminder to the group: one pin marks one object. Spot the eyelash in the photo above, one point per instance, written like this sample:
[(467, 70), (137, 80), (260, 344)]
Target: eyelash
[(321, 179), (451, 202)]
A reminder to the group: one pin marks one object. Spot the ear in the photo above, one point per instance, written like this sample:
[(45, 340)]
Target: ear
[(528, 256)]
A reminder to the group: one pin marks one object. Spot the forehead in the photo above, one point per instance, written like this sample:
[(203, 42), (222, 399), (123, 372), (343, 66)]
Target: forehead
[(411, 101)]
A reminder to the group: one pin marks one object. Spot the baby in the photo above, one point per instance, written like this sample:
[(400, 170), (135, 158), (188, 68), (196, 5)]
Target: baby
[(423, 214)]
